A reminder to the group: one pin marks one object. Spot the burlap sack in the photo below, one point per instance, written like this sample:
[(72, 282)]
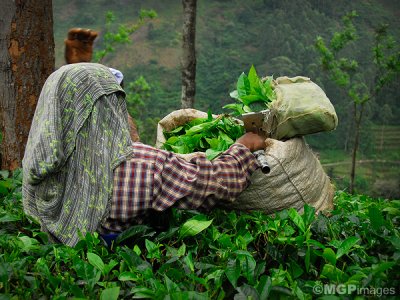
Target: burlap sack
[(296, 178), (300, 108), (296, 175), (175, 119)]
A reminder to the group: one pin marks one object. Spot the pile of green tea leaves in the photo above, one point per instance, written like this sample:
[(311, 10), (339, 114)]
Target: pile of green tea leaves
[(252, 93), (212, 135), (221, 255), (215, 135)]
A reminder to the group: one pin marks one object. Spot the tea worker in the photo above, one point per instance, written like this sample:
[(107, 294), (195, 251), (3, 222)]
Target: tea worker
[(83, 173)]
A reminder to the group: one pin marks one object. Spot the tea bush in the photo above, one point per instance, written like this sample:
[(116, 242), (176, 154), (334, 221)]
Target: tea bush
[(222, 255)]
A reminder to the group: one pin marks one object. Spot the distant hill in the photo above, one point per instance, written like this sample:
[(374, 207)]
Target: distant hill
[(276, 36)]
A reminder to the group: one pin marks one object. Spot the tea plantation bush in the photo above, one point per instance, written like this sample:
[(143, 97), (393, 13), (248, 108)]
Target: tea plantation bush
[(223, 255)]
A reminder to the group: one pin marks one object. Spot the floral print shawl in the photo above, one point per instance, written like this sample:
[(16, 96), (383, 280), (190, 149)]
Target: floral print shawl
[(78, 136)]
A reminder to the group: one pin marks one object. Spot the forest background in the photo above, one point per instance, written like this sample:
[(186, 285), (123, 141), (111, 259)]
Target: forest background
[(278, 38)]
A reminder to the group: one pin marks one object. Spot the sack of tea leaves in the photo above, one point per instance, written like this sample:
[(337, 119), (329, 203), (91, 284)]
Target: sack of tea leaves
[(296, 178), (300, 108), (175, 119), (296, 175)]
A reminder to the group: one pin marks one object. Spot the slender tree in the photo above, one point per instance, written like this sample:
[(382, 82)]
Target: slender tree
[(27, 59), (188, 54), (346, 73)]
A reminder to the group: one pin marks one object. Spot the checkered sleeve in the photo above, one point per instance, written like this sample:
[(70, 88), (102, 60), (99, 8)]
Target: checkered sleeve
[(157, 179), (199, 183)]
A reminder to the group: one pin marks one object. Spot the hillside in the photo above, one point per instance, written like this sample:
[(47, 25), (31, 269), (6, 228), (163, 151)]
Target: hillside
[(276, 36)]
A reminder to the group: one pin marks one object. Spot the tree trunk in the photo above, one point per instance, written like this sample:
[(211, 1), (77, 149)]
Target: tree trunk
[(188, 54), (355, 147), (27, 59)]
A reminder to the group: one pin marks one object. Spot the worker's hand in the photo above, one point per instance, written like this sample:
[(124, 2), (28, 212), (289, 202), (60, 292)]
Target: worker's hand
[(252, 141), (79, 45)]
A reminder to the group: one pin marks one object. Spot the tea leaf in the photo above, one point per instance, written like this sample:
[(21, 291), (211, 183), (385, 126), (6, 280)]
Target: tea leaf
[(250, 89), (193, 227), (153, 249), (234, 94), (333, 273), (171, 286), (181, 250), (108, 267), (246, 292), (329, 255), (376, 217), (264, 286), (253, 78), (232, 271), (249, 99), (87, 272), (28, 244), (189, 261), (110, 293), (143, 292), (211, 153), (315, 243), (392, 211), (9, 218), (243, 85), (346, 246), (237, 108), (247, 264), (296, 270), (382, 267), (134, 232), (395, 240), (308, 215), (297, 219), (95, 261), (216, 276), (128, 276)]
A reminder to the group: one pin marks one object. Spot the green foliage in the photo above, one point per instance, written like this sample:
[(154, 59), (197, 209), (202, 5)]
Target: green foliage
[(340, 68), (346, 73), (210, 135), (386, 57), (122, 33), (250, 90), (194, 226), (223, 255), (138, 94), (9, 183)]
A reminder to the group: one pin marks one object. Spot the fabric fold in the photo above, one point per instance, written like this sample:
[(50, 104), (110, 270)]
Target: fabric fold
[(79, 134)]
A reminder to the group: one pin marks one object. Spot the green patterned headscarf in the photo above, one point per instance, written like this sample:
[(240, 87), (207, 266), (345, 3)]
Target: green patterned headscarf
[(79, 134)]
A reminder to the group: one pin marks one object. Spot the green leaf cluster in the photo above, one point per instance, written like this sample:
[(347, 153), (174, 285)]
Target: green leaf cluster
[(212, 135), (252, 93), (121, 35), (222, 255)]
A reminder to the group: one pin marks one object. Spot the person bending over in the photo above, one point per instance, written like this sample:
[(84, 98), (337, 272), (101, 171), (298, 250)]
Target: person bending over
[(83, 173)]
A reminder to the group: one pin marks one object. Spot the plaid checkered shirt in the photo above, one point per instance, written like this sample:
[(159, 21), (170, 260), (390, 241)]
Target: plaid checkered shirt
[(157, 179)]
